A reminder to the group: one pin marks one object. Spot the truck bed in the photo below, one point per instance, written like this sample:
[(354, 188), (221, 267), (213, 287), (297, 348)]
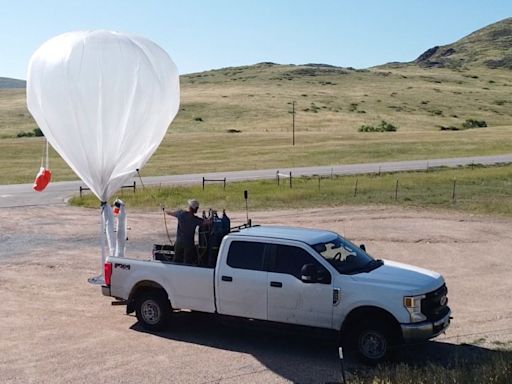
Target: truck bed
[(189, 287)]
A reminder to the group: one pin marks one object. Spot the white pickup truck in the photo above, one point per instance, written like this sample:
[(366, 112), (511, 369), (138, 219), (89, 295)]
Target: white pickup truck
[(296, 276)]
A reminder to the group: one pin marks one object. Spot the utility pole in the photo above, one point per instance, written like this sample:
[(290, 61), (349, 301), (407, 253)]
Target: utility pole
[(293, 123)]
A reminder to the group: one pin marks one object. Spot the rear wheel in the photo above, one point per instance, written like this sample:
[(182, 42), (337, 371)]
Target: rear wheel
[(152, 309)]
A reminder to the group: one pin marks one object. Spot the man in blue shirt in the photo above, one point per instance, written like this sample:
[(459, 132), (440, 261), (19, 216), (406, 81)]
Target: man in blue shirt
[(185, 249)]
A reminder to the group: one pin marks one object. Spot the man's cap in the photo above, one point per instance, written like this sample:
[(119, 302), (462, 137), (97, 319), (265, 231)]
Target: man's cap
[(193, 203)]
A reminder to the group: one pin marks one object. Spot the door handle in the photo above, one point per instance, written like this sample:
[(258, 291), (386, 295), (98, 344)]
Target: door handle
[(276, 284), (227, 278)]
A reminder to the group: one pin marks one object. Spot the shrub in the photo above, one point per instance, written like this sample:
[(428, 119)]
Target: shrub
[(387, 127), (472, 123), (35, 132), (383, 126), (25, 134), (366, 128), (198, 119)]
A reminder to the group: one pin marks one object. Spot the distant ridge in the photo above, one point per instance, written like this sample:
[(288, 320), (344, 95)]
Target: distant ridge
[(6, 82), (489, 47)]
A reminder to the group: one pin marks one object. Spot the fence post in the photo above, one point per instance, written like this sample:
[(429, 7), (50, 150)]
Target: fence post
[(134, 186), (379, 170), (80, 191), (355, 189), (427, 166), (319, 179), (203, 183), (453, 193), (277, 175), (290, 179), (224, 183), (396, 190)]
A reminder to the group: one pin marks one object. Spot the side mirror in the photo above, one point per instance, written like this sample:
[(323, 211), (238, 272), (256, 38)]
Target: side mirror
[(363, 247), (308, 273)]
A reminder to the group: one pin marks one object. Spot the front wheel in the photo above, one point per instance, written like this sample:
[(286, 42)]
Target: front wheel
[(372, 342), (152, 310)]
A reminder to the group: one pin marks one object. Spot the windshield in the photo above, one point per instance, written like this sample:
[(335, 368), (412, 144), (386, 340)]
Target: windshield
[(346, 257)]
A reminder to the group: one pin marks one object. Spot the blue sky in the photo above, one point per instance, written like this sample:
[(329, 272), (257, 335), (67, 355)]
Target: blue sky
[(202, 34)]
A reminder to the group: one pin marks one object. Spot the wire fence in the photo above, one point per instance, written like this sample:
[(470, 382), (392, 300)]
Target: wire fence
[(420, 187), (476, 189)]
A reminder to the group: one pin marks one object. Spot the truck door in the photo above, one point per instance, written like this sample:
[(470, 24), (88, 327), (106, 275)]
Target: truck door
[(242, 281), (290, 300)]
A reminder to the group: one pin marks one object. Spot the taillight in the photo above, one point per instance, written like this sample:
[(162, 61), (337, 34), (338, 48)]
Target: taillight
[(108, 273)]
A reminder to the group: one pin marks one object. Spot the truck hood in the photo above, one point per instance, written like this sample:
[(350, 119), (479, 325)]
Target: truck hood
[(403, 277)]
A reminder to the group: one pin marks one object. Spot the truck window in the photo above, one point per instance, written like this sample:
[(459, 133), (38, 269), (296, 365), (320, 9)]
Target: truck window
[(246, 255), (346, 257), (290, 260)]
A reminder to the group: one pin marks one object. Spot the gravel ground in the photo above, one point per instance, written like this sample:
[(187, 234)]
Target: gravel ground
[(56, 328)]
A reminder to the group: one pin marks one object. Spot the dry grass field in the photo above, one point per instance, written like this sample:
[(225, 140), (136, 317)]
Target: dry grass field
[(239, 118)]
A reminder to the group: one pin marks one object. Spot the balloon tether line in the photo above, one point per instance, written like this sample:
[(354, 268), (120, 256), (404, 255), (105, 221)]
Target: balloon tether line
[(45, 156), (166, 229), (161, 205)]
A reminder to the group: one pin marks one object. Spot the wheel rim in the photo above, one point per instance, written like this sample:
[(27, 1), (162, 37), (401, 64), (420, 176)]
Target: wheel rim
[(373, 344), (150, 312)]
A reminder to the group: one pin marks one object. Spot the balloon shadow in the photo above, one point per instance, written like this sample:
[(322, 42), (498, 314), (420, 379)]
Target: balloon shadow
[(301, 355)]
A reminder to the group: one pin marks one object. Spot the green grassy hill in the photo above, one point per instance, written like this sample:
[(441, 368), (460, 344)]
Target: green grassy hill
[(489, 47), (6, 82), (240, 117)]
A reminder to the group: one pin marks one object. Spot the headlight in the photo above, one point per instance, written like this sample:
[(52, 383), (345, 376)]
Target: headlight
[(413, 306)]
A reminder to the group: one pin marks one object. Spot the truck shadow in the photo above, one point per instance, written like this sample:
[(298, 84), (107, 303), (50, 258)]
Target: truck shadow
[(303, 356)]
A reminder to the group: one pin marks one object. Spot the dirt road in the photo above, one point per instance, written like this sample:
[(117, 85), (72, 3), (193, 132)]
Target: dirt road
[(56, 328)]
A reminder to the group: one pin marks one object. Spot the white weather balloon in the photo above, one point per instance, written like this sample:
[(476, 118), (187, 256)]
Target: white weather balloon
[(104, 101)]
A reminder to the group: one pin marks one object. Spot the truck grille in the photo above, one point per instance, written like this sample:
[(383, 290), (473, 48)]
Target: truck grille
[(435, 304)]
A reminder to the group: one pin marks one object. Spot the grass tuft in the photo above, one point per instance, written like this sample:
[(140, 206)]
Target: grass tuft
[(496, 370)]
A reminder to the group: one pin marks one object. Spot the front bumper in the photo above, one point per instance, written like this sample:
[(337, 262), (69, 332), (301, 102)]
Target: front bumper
[(426, 329)]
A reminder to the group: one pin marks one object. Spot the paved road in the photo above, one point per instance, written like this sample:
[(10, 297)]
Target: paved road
[(22, 194)]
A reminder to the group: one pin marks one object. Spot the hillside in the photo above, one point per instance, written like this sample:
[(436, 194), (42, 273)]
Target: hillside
[(489, 47), (258, 98), (340, 99), (6, 82)]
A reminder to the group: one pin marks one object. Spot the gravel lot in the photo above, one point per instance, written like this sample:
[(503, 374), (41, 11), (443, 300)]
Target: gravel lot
[(56, 328)]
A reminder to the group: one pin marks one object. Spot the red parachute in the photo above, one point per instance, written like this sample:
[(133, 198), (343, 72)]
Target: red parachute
[(43, 178)]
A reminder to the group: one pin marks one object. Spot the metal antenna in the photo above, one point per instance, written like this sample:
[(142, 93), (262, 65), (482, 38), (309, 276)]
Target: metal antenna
[(246, 195)]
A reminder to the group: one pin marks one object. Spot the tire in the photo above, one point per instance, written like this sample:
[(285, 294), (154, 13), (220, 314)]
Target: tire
[(153, 310), (372, 341)]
